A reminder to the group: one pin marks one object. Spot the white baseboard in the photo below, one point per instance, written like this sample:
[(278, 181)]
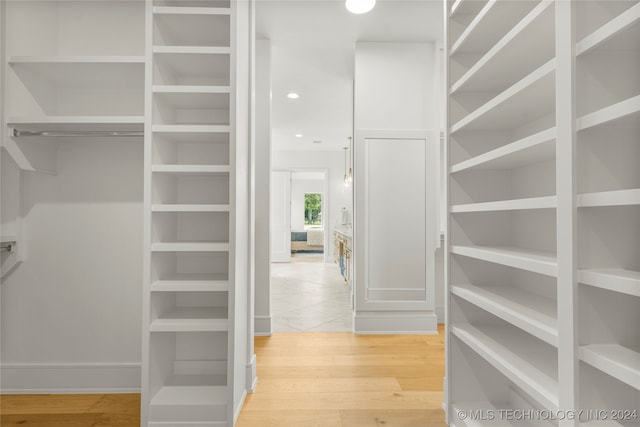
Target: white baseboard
[(262, 326), (50, 378), (237, 409), (396, 322), (252, 377)]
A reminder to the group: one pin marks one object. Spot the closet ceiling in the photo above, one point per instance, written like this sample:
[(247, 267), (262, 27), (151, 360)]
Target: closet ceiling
[(313, 45)]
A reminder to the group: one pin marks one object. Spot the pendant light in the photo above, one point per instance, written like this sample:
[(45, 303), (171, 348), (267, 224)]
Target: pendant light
[(350, 175), (360, 6), (346, 177)]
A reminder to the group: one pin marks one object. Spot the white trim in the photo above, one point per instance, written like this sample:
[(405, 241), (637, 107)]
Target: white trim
[(403, 295), (33, 378), (363, 301), (263, 326), (236, 410), (252, 377), (379, 322)]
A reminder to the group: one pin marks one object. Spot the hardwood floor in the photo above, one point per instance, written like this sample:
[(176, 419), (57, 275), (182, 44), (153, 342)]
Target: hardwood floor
[(338, 379), (331, 379), (70, 410)]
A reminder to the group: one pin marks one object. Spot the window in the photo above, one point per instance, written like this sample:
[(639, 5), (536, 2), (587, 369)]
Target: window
[(312, 209)]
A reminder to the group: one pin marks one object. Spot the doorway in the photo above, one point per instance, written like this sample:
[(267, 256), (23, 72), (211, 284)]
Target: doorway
[(308, 291)]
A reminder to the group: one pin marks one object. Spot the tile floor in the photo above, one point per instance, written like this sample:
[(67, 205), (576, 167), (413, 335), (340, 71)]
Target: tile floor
[(311, 297)]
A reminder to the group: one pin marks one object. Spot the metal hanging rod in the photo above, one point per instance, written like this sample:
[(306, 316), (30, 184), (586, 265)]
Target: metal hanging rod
[(72, 134), (7, 246)]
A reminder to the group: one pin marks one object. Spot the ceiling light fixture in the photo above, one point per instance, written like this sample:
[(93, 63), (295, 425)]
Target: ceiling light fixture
[(360, 6), (299, 135), (293, 95)]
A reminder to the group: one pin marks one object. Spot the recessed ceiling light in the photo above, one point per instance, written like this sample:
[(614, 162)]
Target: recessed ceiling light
[(360, 6), (299, 135), (293, 95)]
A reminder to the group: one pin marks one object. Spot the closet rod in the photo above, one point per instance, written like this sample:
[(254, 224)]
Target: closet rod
[(54, 133), (7, 246)]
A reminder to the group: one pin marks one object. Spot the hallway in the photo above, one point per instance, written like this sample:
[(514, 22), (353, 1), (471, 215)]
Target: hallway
[(310, 297)]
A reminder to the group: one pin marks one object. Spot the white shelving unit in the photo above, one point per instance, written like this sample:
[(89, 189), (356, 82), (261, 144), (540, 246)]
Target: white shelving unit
[(608, 203), (544, 207), (64, 78), (188, 353)]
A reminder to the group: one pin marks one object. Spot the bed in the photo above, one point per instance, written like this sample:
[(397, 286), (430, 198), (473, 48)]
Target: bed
[(310, 241)]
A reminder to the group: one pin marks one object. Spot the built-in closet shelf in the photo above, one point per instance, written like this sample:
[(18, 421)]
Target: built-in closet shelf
[(548, 202), (77, 123), (532, 313), (466, 7), (191, 128), (190, 283), (190, 247), (517, 357), (91, 72), (610, 198), (190, 396), (627, 109), (625, 26), (186, 10), (184, 89), (529, 40), (524, 259), (528, 99), (208, 319), (191, 169), (211, 50), (618, 361), (532, 149), (613, 279), (189, 208), (98, 60)]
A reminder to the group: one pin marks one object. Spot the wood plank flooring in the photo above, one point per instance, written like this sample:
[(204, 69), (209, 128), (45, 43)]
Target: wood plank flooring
[(319, 379), (338, 379)]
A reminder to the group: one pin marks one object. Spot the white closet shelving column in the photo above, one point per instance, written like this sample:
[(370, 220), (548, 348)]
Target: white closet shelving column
[(608, 202), (544, 210), (189, 248), (503, 334)]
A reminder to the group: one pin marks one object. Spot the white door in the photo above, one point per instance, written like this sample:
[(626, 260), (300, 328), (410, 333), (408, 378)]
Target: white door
[(280, 216)]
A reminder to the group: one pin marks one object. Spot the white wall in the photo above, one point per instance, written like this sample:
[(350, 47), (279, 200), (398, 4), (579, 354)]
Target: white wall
[(394, 86), (76, 298), (333, 161), (262, 307), (399, 86), (299, 187)]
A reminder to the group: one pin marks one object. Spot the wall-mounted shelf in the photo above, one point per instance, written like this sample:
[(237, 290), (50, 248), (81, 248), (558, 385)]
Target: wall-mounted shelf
[(548, 202), (531, 149), (610, 198), (618, 361), (189, 208), (530, 260), (190, 247), (517, 357), (526, 100), (495, 68), (532, 313), (613, 279)]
